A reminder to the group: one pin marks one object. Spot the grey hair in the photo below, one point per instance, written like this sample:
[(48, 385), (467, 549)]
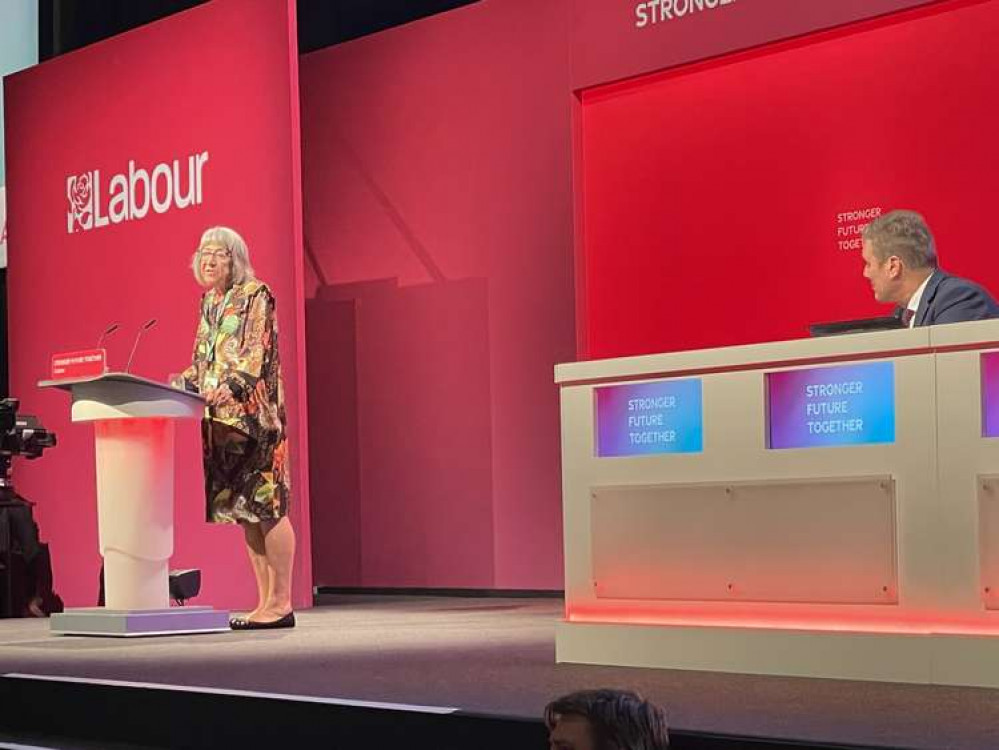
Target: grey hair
[(228, 238), (904, 234)]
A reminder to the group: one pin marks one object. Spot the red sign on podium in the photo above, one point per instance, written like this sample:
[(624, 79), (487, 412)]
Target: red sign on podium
[(81, 364)]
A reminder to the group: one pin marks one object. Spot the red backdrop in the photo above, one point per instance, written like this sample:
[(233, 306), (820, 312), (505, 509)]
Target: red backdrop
[(715, 198), (221, 79), (440, 222), (438, 215)]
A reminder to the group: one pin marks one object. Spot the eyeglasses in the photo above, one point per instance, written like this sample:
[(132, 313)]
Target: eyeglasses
[(214, 254)]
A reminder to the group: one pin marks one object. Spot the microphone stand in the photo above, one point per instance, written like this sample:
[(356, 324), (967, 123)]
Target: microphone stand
[(145, 327)]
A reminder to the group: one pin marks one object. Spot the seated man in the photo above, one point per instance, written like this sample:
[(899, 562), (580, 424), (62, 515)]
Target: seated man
[(605, 720), (900, 261)]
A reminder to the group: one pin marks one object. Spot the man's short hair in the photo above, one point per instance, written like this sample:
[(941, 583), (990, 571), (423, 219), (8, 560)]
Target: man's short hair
[(905, 234), (619, 719)]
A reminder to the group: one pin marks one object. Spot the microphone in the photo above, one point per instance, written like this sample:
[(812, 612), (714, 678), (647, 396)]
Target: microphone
[(145, 327), (107, 331)]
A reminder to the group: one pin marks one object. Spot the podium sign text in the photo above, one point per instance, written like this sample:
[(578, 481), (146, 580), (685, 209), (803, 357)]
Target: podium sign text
[(839, 405), (644, 418), (82, 364)]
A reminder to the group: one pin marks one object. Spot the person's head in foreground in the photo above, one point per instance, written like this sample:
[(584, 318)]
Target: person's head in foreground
[(899, 254), (605, 720)]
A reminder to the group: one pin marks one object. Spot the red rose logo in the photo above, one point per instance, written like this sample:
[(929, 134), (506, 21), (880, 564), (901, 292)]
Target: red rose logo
[(79, 192)]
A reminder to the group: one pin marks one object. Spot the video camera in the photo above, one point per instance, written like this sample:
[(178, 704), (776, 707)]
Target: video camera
[(20, 436)]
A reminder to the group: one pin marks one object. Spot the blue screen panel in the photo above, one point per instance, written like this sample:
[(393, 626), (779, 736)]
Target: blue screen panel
[(838, 405), (646, 418)]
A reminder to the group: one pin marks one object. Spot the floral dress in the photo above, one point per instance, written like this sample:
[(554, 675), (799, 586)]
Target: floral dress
[(244, 444)]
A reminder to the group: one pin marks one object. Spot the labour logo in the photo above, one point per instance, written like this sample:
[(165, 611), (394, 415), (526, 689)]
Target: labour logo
[(80, 194), (131, 195)]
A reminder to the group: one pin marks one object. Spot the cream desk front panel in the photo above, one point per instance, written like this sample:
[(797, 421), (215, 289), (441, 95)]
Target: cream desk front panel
[(727, 547)]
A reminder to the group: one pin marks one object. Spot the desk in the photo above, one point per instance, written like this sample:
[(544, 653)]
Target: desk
[(860, 561)]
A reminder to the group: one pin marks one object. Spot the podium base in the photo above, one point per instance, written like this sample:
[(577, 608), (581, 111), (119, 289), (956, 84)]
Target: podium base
[(123, 623)]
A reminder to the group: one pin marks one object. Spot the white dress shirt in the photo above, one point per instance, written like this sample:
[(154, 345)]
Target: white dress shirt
[(914, 300)]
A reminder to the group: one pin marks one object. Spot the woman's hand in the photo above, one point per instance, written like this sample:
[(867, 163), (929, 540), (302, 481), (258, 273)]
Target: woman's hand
[(220, 396)]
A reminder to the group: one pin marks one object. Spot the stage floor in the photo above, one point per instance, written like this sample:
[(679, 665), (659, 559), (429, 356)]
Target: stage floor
[(496, 656)]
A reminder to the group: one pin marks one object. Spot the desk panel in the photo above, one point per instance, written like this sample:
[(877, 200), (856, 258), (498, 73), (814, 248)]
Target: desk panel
[(829, 541)]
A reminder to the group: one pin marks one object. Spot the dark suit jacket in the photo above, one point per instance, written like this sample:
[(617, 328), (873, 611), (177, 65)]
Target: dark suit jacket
[(950, 299)]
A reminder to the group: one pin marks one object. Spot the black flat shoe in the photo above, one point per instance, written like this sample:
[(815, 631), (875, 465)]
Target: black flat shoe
[(241, 623)]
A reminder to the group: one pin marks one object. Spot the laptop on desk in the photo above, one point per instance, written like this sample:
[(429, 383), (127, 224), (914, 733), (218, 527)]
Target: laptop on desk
[(863, 325)]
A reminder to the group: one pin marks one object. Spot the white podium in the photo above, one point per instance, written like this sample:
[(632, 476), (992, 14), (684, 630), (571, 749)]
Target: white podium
[(134, 432)]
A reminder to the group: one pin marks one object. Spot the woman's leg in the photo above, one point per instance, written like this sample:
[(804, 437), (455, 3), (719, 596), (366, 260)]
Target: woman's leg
[(279, 547), (253, 534)]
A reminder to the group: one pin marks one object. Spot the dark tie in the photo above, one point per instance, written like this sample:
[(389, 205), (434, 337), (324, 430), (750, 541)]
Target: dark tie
[(907, 316)]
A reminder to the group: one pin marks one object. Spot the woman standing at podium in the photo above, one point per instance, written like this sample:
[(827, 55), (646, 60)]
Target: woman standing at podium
[(237, 369)]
